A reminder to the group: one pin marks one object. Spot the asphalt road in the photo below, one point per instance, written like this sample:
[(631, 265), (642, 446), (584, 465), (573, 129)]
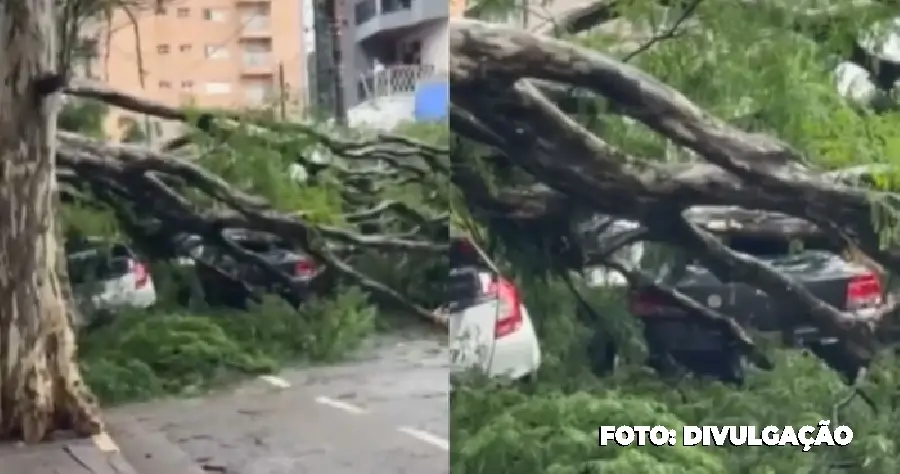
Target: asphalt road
[(385, 413)]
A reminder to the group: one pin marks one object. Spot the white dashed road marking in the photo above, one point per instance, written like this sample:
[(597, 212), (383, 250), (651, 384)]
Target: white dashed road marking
[(105, 443), (340, 405), (418, 434), (275, 381), (426, 437)]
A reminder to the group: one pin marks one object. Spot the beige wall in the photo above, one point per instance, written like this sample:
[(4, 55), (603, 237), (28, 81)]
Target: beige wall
[(185, 74), (457, 8)]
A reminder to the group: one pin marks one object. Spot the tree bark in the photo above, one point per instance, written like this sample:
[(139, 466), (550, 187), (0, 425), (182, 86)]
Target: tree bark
[(41, 388)]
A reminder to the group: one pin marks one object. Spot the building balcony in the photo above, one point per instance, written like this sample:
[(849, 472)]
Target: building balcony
[(391, 81), (397, 94), (373, 17), (257, 64), (256, 27)]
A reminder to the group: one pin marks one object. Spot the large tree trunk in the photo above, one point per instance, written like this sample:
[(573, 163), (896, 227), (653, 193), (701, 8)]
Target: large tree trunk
[(40, 385)]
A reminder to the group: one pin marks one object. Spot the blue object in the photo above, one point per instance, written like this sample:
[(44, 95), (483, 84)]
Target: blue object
[(432, 101)]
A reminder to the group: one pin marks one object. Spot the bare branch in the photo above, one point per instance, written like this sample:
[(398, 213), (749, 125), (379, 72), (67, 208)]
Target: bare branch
[(670, 32)]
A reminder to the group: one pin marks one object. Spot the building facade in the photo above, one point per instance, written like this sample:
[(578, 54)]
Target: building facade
[(229, 54), (394, 60)]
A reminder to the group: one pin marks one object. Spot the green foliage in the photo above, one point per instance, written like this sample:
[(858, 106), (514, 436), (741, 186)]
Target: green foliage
[(134, 133), (757, 66), (437, 134), (551, 425), (182, 346), (548, 431), (148, 354), (83, 116), (260, 165), (418, 277), (80, 219)]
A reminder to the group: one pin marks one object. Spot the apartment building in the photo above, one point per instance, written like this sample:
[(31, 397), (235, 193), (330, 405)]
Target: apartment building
[(394, 59), (229, 54), (457, 8)]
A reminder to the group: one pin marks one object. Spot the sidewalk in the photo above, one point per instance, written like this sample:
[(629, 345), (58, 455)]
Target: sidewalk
[(128, 449), (148, 451), (69, 456)]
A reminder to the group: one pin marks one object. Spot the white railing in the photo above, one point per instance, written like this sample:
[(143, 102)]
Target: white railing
[(394, 80)]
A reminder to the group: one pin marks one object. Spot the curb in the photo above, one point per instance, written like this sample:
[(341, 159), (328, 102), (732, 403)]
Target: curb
[(147, 450)]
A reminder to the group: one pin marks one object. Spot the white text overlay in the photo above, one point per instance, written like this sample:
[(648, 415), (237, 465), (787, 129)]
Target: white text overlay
[(807, 436)]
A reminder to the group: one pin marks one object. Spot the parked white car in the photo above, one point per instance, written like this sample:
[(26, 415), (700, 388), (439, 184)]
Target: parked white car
[(108, 277), (490, 328)]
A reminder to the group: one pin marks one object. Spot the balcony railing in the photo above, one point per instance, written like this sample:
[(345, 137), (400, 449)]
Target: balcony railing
[(393, 80)]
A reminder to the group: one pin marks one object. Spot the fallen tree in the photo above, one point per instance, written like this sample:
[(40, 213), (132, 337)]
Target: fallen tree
[(499, 77), (375, 203), (146, 182)]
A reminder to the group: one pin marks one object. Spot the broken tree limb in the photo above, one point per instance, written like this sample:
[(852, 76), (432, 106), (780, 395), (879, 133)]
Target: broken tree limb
[(488, 54), (730, 328), (143, 172), (494, 73)]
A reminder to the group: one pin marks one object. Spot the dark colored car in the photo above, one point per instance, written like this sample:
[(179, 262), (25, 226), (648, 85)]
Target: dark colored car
[(299, 267), (847, 286)]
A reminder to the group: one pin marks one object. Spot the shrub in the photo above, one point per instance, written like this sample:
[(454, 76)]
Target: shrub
[(145, 354), (551, 425), (322, 330)]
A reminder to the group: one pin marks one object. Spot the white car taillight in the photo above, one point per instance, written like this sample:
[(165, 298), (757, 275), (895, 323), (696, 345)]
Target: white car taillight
[(509, 305), (141, 275)]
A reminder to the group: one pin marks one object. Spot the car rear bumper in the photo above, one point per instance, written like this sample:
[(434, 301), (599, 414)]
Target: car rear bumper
[(675, 334), (513, 356), (517, 355), (679, 335)]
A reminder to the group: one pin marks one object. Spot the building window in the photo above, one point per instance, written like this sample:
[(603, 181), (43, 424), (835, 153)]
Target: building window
[(185, 48), (363, 11), (216, 51), (214, 14), (165, 84), (390, 6), (187, 84), (125, 122), (183, 12), (217, 88), (162, 49)]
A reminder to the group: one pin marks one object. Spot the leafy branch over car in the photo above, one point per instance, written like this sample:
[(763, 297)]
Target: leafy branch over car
[(499, 104)]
